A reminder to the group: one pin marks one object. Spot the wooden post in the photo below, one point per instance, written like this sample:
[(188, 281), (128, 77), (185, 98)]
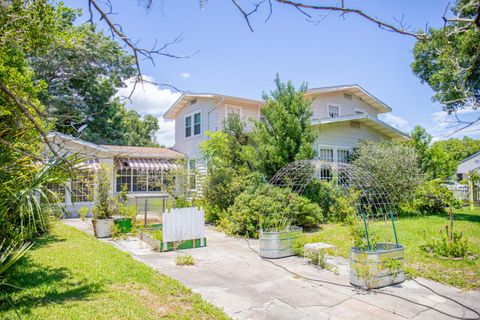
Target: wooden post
[(451, 224), (145, 218), (470, 187)]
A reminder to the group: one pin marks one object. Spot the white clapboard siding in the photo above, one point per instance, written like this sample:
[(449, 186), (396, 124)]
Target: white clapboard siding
[(183, 224)]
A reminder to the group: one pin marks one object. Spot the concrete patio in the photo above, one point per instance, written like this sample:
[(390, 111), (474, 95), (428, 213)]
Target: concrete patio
[(229, 274)]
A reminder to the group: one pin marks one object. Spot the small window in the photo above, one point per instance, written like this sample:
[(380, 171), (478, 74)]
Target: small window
[(139, 180), (192, 177), (197, 124), (343, 156), (188, 126), (124, 177), (333, 111), (326, 155)]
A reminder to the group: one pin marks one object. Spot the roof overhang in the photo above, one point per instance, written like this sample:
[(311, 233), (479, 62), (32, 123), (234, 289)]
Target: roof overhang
[(356, 90), (374, 123), (186, 98)]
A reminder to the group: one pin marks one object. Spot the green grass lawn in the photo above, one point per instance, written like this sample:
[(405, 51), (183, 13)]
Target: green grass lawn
[(71, 275), (411, 233)]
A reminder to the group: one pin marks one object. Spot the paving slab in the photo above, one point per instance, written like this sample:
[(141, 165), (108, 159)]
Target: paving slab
[(229, 274)]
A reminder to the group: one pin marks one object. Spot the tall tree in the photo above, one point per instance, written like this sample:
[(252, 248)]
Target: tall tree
[(284, 135), (82, 77)]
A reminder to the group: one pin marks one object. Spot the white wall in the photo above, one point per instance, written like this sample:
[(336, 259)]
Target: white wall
[(470, 164), (347, 106), (343, 135)]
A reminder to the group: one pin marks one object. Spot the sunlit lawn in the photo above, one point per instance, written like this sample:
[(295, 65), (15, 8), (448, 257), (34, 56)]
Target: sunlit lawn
[(71, 275), (411, 233)]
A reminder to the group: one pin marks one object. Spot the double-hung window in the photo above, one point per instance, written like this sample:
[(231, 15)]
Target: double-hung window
[(325, 154), (333, 111), (197, 123), (194, 121), (343, 155)]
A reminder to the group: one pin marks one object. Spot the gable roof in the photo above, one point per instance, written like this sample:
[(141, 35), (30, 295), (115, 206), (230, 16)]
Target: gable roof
[(187, 97), (471, 157), (113, 150), (370, 121), (356, 90)]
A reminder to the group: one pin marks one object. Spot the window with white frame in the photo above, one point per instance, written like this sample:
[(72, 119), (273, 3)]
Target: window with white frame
[(188, 126), (343, 155), (139, 180), (197, 123), (82, 187), (57, 192), (325, 154), (333, 111), (194, 121)]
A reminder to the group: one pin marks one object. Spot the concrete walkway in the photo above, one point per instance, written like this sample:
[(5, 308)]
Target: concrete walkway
[(231, 276)]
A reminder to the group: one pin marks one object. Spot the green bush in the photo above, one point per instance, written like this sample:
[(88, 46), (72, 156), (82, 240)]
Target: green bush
[(268, 203), (336, 202), (433, 197), (443, 246)]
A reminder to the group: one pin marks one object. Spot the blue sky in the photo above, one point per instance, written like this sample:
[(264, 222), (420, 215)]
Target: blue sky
[(232, 60)]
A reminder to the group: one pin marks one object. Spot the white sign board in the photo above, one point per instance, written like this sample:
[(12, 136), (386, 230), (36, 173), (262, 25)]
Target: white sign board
[(183, 224)]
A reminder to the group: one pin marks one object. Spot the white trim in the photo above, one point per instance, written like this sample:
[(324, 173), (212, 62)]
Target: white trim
[(334, 148), (192, 115)]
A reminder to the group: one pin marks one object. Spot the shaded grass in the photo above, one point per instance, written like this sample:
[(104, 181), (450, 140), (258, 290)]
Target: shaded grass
[(71, 275), (412, 233)]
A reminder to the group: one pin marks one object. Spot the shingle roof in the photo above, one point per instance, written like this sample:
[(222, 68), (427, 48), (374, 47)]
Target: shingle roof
[(146, 151)]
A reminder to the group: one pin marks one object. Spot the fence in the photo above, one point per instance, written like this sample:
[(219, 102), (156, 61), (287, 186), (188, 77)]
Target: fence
[(464, 195)]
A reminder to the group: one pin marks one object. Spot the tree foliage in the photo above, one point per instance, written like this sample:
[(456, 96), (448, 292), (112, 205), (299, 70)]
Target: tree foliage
[(284, 135), (435, 162), (230, 164), (393, 165), (449, 59), (82, 76)]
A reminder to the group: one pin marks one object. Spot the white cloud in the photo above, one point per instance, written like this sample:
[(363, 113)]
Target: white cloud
[(396, 122), (185, 75), (148, 98)]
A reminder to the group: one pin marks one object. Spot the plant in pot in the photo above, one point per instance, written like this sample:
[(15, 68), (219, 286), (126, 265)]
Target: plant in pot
[(375, 262), (126, 213), (103, 209), (276, 236)]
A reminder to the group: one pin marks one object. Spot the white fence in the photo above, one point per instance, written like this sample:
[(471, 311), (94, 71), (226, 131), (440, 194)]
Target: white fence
[(183, 224), (464, 195)]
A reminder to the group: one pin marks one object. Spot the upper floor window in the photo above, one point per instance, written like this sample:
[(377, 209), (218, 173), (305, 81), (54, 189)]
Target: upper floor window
[(333, 111), (196, 123)]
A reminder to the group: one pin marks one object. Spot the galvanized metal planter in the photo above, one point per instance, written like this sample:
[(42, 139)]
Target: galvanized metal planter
[(377, 269), (275, 244)]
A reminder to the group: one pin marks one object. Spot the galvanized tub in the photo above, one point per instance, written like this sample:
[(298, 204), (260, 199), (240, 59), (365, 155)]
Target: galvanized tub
[(377, 269), (275, 244)]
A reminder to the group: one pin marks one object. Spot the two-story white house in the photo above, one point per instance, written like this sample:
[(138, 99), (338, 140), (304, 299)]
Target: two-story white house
[(342, 117)]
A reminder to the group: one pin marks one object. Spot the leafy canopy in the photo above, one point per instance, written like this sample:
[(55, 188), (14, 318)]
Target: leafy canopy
[(284, 135), (449, 60)]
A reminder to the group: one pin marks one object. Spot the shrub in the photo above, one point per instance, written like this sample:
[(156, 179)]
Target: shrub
[(433, 197), (391, 164), (335, 201), (268, 203), (104, 204), (443, 246)]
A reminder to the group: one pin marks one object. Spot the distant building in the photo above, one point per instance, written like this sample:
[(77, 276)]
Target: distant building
[(467, 165)]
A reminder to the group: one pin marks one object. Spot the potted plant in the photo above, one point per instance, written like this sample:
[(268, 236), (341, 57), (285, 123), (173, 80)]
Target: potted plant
[(103, 209), (126, 213), (277, 236), (375, 264)]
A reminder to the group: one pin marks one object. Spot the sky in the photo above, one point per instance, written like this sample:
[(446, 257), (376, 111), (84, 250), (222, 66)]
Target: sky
[(230, 59)]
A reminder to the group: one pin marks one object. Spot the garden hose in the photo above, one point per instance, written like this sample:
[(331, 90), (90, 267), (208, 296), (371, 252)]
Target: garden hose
[(378, 291)]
